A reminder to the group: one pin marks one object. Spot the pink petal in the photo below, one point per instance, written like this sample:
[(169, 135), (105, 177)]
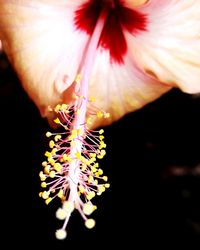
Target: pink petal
[(43, 46), (46, 50), (120, 89), (170, 49)]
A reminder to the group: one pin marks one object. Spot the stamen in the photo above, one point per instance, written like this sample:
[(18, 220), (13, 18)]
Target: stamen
[(70, 171)]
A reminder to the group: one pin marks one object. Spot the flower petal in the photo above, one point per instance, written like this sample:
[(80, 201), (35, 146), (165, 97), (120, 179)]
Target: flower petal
[(43, 46), (170, 49), (120, 89)]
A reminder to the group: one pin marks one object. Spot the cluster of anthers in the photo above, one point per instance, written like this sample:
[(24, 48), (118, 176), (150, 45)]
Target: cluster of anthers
[(71, 171)]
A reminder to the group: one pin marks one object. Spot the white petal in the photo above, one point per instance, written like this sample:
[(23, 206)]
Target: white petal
[(170, 49), (43, 46)]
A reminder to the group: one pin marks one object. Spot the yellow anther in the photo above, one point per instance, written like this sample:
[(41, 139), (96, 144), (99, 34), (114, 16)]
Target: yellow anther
[(43, 178), (46, 169), (84, 167), (45, 194), (96, 165), (88, 208), (70, 137), (102, 154), (57, 108), (79, 131), (90, 223), (61, 214), (74, 96), (93, 159), (74, 132), (48, 134), (58, 167), (57, 121), (101, 188), (95, 182), (67, 158), (78, 78), (52, 174), (97, 174), (40, 194), (53, 151), (51, 144), (68, 206), (57, 137), (90, 195), (89, 121), (61, 234), (99, 114), (84, 160), (47, 154), (43, 184), (41, 175), (106, 115), (78, 111), (51, 161), (78, 155), (105, 178), (92, 98), (101, 131), (48, 200), (44, 163), (107, 185), (100, 171), (90, 179), (73, 143), (101, 137), (81, 189), (102, 144), (93, 155), (60, 193), (93, 169), (64, 106)]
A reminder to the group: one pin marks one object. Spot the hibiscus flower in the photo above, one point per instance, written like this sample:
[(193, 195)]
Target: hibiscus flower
[(122, 53)]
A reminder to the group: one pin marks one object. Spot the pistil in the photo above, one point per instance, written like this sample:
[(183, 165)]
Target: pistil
[(71, 163)]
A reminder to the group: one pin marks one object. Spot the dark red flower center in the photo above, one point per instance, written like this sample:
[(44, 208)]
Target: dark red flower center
[(120, 19)]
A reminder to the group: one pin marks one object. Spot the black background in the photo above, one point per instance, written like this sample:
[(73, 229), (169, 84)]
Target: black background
[(152, 161)]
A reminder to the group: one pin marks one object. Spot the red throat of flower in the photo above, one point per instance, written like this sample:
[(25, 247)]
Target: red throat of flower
[(119, 19)]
